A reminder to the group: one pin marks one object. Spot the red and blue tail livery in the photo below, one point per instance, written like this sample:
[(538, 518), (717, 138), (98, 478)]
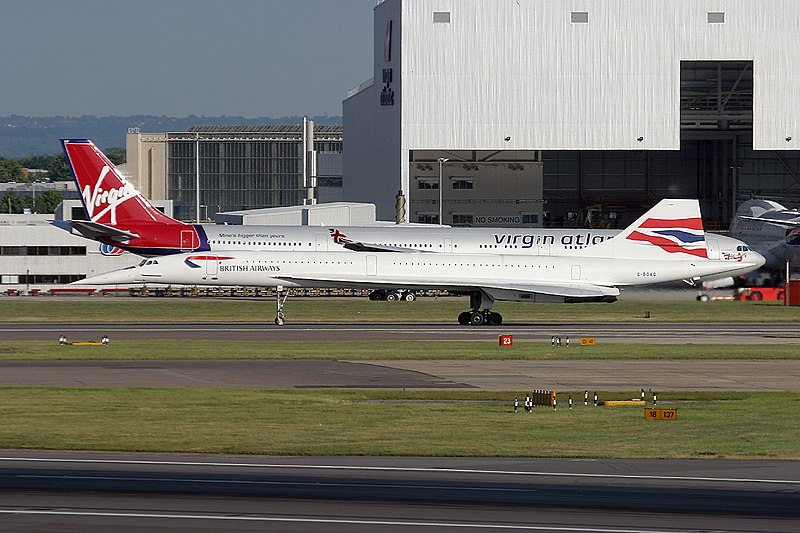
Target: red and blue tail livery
[(117, 214), (682, 235)]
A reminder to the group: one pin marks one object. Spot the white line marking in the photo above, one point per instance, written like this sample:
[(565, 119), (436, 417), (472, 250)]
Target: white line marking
[(328, 521), (401, 469)]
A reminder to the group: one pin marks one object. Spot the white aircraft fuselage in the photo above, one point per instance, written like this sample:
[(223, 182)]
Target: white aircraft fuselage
[(414, 271)]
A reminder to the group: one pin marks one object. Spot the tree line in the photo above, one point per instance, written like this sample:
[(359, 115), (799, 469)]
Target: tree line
[(14, 171), (14, 203)]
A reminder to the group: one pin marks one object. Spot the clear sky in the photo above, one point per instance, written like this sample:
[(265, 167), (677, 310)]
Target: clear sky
[(181, 57)]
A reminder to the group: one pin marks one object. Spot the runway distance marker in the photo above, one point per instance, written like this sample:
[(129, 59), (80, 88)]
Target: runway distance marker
[(505, 340)]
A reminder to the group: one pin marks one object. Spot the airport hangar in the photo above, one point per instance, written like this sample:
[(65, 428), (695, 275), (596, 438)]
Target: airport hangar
[(547, 110)]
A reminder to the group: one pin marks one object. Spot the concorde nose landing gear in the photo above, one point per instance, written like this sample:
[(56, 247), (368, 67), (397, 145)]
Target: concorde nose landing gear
[(477, 316)]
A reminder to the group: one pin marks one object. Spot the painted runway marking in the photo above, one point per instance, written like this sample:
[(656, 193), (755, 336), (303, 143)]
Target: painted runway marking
[(409, 523), (402, 469)]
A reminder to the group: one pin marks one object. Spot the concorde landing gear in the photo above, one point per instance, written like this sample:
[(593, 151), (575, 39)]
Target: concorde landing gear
[(477, 316), (281, 295)]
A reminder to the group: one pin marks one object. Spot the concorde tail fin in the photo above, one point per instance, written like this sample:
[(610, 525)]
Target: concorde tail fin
[(672, 228)]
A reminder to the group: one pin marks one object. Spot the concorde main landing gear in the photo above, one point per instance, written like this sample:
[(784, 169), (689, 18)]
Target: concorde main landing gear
[(281, 295), (477, 316)]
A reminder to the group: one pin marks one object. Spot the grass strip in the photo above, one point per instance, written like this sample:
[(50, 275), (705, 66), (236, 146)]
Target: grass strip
[(374, 422), (385, 350), (361, 310)]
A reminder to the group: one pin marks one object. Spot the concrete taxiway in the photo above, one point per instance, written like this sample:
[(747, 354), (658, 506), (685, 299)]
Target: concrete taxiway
[(507, 375)]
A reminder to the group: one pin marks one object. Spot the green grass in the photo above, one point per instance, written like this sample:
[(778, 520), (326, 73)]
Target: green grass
[(359, 310), (355, 422), (427, 423), (487, 349)]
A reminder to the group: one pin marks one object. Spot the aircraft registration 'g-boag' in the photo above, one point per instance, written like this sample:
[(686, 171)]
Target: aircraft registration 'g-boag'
[(121, 218), (665, 244), (773, 231)]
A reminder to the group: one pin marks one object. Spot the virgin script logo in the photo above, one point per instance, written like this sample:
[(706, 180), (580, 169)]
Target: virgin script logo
[(99, 201)]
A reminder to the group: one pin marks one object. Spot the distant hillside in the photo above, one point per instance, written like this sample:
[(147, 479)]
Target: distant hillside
[(22, 136)]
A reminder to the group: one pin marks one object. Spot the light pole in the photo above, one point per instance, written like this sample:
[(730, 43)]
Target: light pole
[(441, 160), (197, 175)]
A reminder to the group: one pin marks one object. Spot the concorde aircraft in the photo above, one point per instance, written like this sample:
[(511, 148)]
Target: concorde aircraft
[(665, 244), (121, 218)]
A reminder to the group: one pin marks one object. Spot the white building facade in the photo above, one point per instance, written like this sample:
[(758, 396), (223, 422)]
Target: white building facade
[(481, 82)]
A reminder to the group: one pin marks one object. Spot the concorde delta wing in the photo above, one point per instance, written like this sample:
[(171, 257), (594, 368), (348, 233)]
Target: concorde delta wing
[(500, 290)]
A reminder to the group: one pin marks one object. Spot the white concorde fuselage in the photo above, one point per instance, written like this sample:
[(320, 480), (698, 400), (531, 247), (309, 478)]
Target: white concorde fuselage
[(515, 276)]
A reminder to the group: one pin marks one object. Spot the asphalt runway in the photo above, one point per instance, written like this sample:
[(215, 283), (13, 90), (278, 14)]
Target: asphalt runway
[(639, 332), (46, 491)]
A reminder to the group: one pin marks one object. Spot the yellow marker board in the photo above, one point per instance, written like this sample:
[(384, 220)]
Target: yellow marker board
[(661, 414), (587, 341)]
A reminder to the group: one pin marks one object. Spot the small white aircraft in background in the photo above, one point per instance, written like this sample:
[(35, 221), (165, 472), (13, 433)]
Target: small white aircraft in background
[(772, 230), (665, 244)]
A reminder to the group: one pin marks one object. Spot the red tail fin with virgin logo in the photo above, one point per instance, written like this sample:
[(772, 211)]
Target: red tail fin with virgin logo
[(107, 196)]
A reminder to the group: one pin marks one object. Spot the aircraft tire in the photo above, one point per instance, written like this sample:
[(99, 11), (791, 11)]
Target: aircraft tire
[(476, 318), (409, 297), (392, 297), (463, 318), (495, 319), (278, 321)]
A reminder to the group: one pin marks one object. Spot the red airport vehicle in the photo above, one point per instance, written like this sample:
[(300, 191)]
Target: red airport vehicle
[(757, 294)]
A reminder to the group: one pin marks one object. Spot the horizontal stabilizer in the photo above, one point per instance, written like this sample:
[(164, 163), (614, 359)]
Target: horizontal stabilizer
[(95, 230), (358, 246), (782, 223)]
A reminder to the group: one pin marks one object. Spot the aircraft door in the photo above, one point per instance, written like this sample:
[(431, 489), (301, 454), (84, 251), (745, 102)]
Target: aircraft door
[(212, 266), (713, 248), (372, 265), (544, 249), (448, 246), (322, 242), (576, 272), (187, 240)]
